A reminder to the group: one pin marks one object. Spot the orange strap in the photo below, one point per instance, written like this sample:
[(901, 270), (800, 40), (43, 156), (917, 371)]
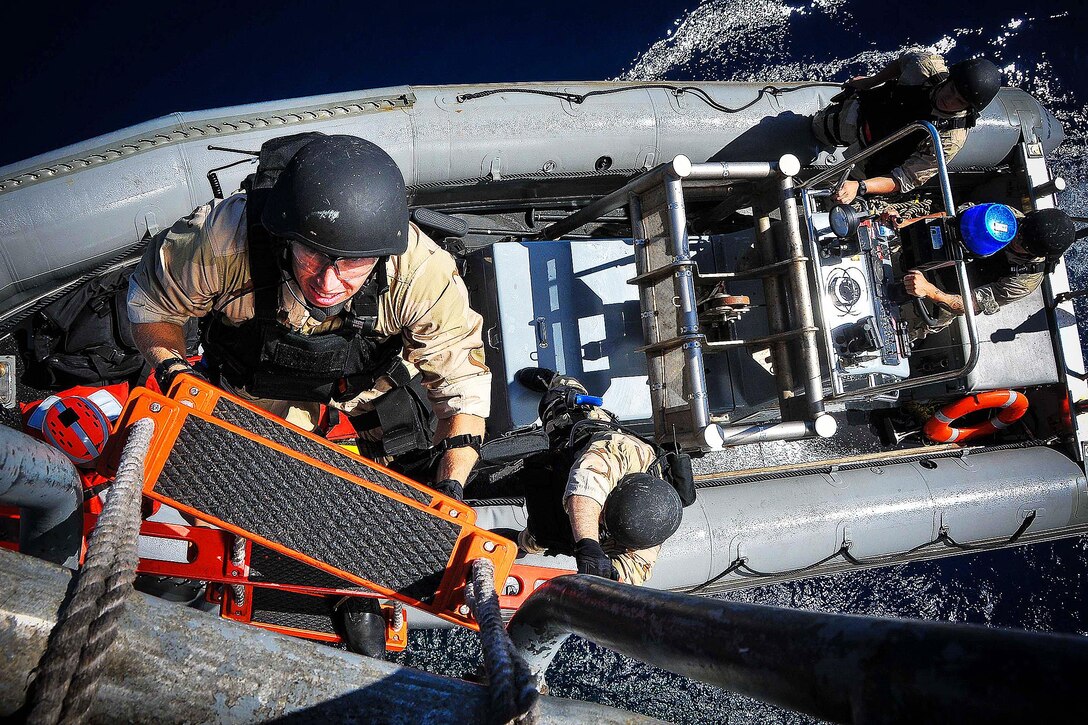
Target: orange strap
[(913, 220), (1011, 403)]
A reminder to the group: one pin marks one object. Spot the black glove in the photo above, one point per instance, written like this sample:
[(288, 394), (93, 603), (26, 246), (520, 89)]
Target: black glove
[(169, 369), (451, 488), (592, 560)]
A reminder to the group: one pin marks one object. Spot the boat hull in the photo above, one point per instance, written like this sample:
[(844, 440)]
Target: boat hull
[(64, 213)]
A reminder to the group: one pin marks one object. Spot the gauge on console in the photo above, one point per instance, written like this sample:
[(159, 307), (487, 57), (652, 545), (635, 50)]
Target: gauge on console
[(844, 220)]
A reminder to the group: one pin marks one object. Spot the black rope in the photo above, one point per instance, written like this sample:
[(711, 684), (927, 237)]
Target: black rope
[(731, 568), (512, 693), (949, 541), (741, 566), (701, 94), (247, 152), (791, 572)]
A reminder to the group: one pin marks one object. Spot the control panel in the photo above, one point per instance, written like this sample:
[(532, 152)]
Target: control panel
[(860, 317)]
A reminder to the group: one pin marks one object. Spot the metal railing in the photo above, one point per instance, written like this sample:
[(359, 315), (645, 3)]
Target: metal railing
[(687, 336), (969, 326)]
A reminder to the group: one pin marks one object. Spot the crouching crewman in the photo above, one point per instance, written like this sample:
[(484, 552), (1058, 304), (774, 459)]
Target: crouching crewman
[(597, 499)]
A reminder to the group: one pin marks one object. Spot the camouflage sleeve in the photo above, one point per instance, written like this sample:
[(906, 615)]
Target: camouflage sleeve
[(910, 68), (916, 67), (993, 296), (606, 459), (181, 275), (635, 567), (443, 335), (922, 164)]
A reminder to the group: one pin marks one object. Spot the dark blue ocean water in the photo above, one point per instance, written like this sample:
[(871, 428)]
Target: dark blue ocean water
[(75, 72), (1042, 587)]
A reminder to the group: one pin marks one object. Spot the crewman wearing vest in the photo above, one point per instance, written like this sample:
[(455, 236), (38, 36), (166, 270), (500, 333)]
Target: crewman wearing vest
[(916, 86), (1042, 237), (315, 288), (597, 500)]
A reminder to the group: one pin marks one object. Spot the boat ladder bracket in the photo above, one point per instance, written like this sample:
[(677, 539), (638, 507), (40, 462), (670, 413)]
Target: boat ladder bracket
[(298, 495)]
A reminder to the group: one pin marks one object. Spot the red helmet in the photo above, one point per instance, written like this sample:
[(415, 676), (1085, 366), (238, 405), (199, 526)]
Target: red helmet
[(77, 427)]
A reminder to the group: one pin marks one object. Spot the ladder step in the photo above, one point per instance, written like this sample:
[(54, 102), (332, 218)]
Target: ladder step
[(345, 525)]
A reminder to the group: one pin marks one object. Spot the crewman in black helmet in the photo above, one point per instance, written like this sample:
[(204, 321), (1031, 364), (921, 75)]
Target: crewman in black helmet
[(601, 496), (1042, 237), (314, 288), (917, 86)]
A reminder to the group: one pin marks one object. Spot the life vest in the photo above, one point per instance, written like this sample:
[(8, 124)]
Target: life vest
[(268, 359), (889, 107)]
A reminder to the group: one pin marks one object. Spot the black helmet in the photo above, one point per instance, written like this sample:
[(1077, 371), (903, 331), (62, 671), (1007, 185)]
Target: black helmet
[(343, 196), (1047, 233), (977, 80), (642, 511)]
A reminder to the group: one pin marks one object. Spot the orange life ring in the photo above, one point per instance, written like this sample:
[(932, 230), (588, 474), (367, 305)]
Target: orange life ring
[(1012, 406)]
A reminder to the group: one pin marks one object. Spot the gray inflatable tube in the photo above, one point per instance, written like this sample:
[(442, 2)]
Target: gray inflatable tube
[(67, 212)]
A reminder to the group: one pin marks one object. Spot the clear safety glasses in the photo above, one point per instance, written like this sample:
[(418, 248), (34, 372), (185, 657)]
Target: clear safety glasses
[(347, 269)]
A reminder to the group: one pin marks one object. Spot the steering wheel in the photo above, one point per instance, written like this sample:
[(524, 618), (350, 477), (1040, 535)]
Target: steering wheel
[(923, 312)]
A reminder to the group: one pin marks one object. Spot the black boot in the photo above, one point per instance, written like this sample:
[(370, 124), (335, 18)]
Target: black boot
[(535, 379), (362, 626)]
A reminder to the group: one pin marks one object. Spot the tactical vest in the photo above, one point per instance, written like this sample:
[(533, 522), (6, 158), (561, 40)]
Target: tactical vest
[(889, 107), (546, 482), (545, 475), (1001, 265), (268, 359)]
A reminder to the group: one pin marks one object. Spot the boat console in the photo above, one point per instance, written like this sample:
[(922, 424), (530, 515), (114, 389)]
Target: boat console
[(862, 325), (766, 332)]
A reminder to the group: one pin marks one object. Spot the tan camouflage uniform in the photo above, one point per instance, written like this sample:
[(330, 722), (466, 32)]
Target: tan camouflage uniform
[(202, 263), (915, 69), (603, 462), (989, 297)]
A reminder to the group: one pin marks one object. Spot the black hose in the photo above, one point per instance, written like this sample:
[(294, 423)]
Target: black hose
[(579, 98), (831, 666)]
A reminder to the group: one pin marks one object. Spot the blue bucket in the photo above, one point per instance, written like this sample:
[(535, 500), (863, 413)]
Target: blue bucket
[(987, 228)]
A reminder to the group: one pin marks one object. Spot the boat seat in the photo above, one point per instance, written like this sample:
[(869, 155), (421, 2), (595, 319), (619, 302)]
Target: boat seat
[(1016, 350)]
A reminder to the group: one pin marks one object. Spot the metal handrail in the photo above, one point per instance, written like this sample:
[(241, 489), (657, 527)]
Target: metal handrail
[(832, 666), (680, 167), (969, 317), (938, 151)]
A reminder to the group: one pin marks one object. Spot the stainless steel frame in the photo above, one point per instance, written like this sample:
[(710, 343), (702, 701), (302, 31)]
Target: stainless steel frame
[(670, 177), (968, 322), (792, 281)]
